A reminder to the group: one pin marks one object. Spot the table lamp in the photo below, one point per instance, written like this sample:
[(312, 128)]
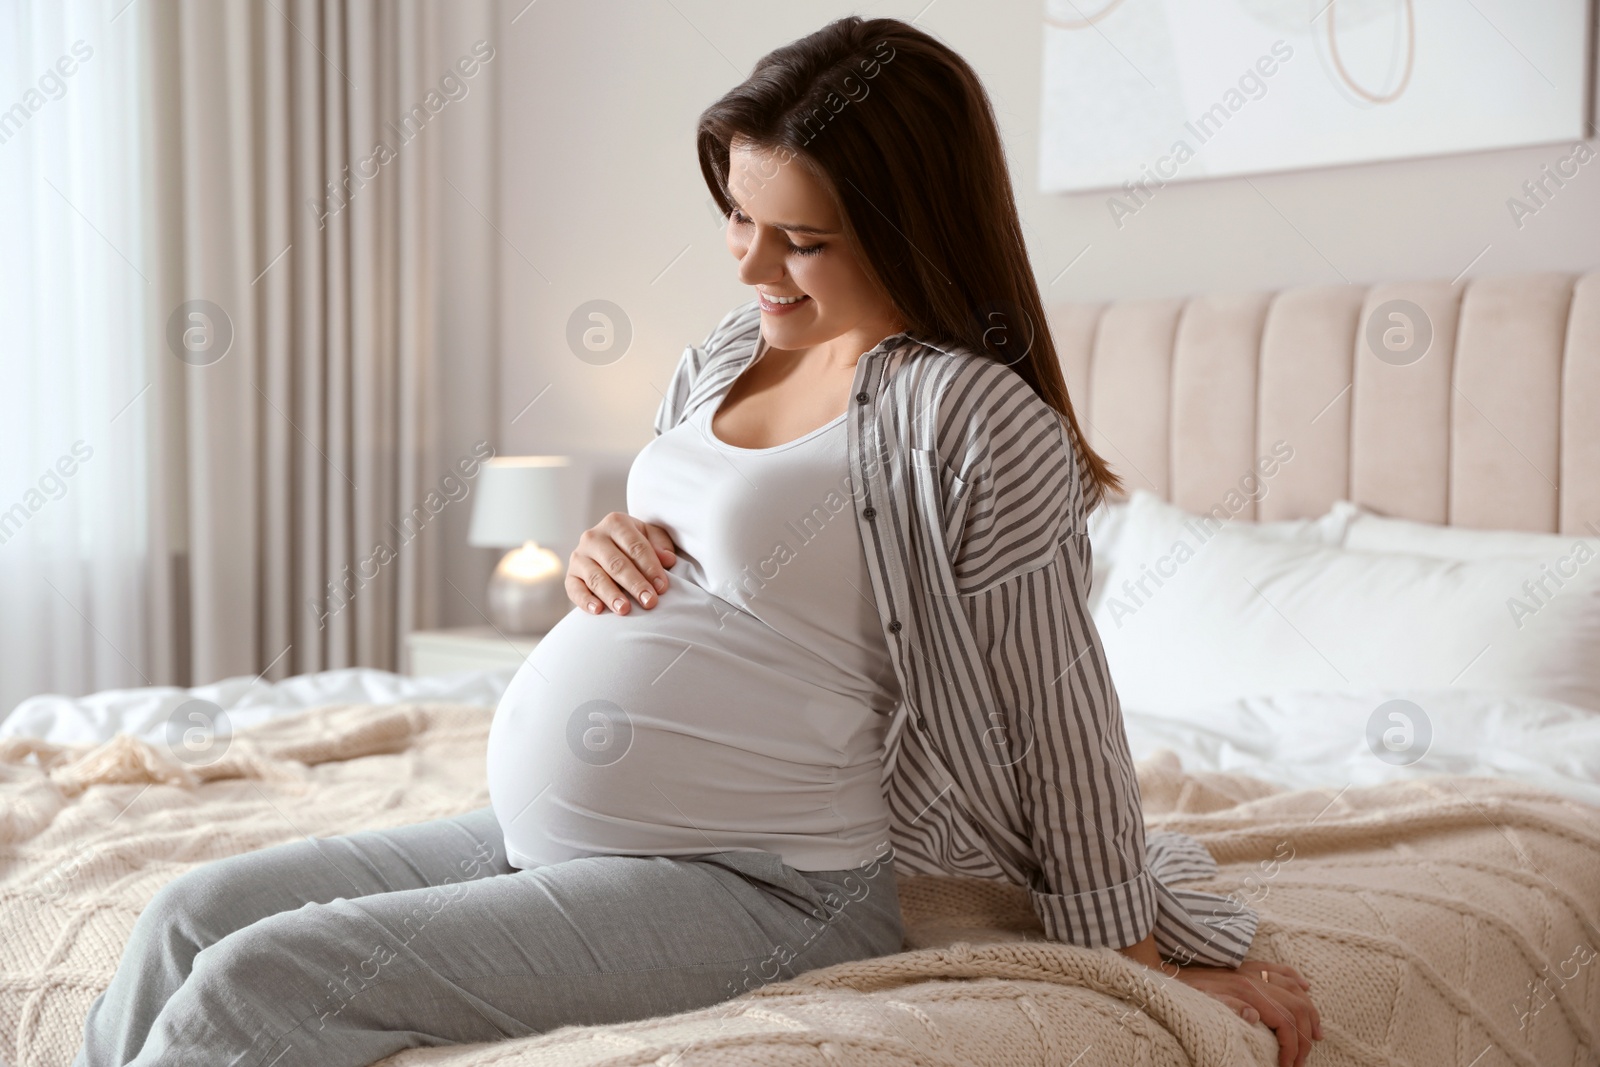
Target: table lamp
[(526, 503)]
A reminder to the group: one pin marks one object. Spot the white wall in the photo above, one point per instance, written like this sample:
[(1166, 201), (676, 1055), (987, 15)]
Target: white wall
[(467, 324), (601, 197)]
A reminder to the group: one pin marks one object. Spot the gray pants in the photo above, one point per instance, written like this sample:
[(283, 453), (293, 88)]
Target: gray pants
[(343, 950)]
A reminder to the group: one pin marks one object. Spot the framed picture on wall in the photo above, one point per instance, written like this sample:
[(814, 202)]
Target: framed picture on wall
[(1151, 91)]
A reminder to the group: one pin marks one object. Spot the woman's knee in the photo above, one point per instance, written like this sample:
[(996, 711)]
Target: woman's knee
[(184, 909), (203, 903), (291, 954)]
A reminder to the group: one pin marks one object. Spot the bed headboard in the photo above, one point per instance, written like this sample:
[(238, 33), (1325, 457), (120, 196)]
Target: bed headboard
[(1483, 409)]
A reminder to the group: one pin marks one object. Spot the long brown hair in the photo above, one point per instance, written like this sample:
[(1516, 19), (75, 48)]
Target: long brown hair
[(900, 131)]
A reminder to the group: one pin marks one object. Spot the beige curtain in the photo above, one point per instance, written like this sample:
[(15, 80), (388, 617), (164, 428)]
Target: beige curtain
[(296, 194)]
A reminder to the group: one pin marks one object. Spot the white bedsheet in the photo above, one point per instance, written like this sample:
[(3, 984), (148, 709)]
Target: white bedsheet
[(143, 711), (1319, 739), (1311, 739)]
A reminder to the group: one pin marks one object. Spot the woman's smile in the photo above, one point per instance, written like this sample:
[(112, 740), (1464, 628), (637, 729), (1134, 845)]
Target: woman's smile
[(780, 305)]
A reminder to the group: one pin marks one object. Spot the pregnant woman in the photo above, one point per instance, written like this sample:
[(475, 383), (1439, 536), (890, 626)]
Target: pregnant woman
[(841, 630)]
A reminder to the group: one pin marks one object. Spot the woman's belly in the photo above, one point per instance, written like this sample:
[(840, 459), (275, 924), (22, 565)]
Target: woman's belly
[(687, 728)]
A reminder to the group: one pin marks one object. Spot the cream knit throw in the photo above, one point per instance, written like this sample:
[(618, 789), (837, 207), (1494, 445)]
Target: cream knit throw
[(1446, 921)]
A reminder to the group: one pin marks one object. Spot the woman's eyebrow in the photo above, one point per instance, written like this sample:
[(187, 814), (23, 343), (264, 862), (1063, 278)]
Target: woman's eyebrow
[(795, 228)]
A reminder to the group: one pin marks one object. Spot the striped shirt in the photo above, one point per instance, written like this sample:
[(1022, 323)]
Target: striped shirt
[(1007, 758)]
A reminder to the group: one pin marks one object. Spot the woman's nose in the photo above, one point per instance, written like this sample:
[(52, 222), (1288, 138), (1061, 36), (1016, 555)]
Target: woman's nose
[(760, 263)]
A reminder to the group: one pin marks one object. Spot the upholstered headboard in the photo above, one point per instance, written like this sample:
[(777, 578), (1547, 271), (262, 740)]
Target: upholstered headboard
[(1482, 408)]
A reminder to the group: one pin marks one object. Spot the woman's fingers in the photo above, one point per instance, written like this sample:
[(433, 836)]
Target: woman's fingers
[(1283, 973), (1240, 1008), (1316, 1018), (1307, 1021), (632, 561), (1260, 1008), (594, 577), (1296, 1012), (1278, 1018), (1299, 1000), (1281, 1003), (1280, 969), (579, 593), (625, 576), (606, 568), (665, 549), (618, 558)]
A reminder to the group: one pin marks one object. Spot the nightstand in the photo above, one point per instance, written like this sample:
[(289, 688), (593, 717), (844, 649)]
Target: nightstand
[(466, 648)]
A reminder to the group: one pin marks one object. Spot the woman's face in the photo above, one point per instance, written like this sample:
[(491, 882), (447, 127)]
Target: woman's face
[(785, 232)]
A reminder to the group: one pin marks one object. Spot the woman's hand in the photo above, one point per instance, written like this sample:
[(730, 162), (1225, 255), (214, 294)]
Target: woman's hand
[(1283, 1002), (619, 553)]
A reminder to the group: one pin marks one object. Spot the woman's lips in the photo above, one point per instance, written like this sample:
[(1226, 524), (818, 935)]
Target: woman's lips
[(780, 309)]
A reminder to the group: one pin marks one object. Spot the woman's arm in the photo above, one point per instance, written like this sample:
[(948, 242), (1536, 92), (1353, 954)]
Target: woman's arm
[(1079, 799), (1145, 952), (1064, 739), (1065, 752)]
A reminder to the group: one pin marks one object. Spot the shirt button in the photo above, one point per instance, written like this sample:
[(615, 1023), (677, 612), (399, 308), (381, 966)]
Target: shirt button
[(869, 514), (894, 626), (861, 398), (922, 722)]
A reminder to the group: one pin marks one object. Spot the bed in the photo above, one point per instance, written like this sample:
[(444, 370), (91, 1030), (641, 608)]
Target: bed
[(1416, 819)]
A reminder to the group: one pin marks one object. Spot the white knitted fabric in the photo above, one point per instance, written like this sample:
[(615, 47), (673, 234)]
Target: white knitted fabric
[(1443, 921)]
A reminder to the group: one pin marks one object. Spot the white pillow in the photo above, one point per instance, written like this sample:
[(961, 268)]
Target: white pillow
[(1106, 524), (1108, 527), (1369, 531), (1192, 614)]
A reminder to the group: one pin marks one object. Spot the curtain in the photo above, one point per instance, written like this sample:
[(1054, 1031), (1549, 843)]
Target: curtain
[(75, 285), (276, 491)]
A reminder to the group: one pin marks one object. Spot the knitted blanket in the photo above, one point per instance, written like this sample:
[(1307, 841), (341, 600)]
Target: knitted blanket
[(1444, 920)]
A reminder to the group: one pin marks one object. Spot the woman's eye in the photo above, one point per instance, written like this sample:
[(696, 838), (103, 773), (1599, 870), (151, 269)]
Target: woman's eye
[(803, 250)]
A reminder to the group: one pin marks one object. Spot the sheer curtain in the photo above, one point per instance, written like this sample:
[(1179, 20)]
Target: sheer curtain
[(224, 420), (75, 291)]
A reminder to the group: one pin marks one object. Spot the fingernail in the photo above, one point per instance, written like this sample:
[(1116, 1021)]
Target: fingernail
[(661, 585), (645, 597), (617, 605), (594, 606)]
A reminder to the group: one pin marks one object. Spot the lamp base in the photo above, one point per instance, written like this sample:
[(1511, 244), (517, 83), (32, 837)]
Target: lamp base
[(527, 593)]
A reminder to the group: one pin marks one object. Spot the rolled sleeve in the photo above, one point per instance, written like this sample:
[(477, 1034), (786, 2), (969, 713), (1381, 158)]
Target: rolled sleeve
[(1088, 918), (1194, 927)]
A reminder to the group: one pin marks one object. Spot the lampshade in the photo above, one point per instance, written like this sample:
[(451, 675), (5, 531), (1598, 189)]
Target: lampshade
[(525, 498)]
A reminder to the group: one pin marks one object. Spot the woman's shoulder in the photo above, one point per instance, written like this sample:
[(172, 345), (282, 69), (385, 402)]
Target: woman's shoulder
[(736, 331), (1003, 441), (696, 369), (977, 403)]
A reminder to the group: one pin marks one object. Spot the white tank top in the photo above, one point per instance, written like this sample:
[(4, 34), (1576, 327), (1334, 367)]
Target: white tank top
[(746, 710)]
